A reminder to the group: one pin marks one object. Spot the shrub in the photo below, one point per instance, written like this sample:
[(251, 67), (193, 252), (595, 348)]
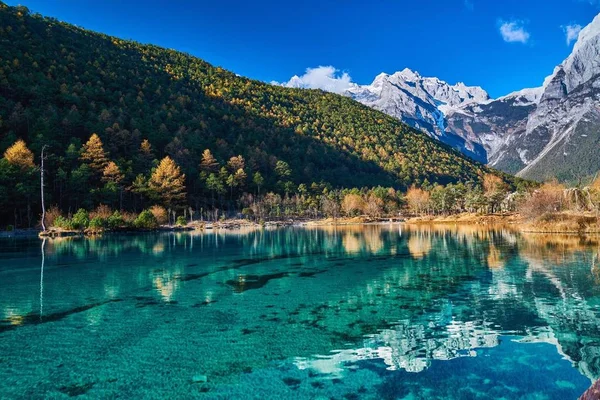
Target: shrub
[(97, 223), (62, 222), (115, 220), (102, 211), (51, 214), (181, 221), (547, 199), (160, 214), (146, 220), (10, 228), (128, 218), (80, 220)]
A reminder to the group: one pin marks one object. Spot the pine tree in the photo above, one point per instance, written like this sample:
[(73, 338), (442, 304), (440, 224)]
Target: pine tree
[(112, 173), (168, 183), (209, 163), (258, 180), (145, 157), (236, 163), (19, 155), (215, 185), (93, 154)]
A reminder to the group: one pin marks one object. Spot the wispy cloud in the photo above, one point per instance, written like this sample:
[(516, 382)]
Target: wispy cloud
[(514, 31), (326, 78), (595, 3), (571, 32), (469, 5)]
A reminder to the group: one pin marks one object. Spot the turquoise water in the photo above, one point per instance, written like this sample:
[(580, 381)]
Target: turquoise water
[(376, 312)]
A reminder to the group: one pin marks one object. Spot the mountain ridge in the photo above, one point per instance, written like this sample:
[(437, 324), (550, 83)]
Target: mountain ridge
[(59, 84), (515, 133)]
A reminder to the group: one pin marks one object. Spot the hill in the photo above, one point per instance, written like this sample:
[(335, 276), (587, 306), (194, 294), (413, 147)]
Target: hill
[(59, 84)]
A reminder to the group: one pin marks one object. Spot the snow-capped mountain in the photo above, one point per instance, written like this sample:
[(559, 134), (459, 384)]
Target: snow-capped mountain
[(538, 133), (421, 102)]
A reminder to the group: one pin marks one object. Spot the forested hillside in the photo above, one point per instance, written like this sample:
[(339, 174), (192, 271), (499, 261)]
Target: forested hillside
[(118, 117)]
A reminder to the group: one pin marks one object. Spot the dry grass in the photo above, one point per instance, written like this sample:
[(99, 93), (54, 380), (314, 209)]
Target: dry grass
[(102, 211), (467, 218), (566, 221)]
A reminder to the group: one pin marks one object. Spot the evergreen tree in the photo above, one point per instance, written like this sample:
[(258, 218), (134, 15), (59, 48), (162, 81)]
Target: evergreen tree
[(93, 154), (168, 183)]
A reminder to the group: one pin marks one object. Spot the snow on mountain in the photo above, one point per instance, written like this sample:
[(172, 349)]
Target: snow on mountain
[(549, 131), (563, 132), (419, 101)]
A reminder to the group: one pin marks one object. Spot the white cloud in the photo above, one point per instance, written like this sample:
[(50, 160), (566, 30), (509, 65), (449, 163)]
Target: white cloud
[(323, 77), (571, 32), (513, 31)]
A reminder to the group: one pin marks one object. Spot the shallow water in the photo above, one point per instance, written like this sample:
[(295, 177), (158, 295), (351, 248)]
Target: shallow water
[(376, 312)]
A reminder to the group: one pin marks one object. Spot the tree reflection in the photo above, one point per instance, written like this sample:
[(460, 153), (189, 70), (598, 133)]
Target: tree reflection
[(407, 295)]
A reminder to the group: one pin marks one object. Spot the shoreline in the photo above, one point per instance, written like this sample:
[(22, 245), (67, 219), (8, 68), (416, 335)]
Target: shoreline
[(562, 224)]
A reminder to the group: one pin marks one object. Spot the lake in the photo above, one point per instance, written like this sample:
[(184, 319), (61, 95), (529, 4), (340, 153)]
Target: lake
[(373, 312)]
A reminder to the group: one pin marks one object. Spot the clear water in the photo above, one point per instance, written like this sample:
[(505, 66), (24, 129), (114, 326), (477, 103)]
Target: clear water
[(379, 312)]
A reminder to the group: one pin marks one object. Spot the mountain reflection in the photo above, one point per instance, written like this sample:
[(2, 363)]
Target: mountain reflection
[(401, 294)]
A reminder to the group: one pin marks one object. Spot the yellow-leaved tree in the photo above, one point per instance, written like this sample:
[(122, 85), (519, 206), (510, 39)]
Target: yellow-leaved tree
[(93, 154), (19, 155), (168, 183), (112, 173)]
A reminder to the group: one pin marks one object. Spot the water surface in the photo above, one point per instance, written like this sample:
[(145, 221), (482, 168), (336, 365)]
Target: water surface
[(376, 312)]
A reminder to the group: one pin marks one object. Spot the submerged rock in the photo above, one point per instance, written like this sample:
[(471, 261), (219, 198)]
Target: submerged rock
[(199, 379)]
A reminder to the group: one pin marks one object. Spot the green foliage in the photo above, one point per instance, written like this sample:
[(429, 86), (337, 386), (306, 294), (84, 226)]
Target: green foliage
[(97, 223), (63, 223), (60, 84), (181, 221), (80, 220), (115, 221), (145, 220)]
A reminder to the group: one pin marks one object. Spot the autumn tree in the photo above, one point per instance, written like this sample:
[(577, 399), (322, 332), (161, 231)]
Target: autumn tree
[(353, 204), (112, 178), (168, 183), (373, 206), (417, 200), (145, 156), (548, 198), (494, 189), (236, 163), (93, 154), (19, 155), (18, 182), (112, 173), (209, 163)]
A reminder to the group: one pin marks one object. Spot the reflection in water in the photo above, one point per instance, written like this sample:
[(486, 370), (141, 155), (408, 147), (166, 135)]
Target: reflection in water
[(329, 301), (42, 277)]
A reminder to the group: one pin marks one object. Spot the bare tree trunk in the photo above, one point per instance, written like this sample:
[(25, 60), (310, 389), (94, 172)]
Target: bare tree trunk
[(42, 189)]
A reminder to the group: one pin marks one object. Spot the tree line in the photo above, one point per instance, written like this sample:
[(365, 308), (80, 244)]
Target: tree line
[(61, 84), (87, 179)]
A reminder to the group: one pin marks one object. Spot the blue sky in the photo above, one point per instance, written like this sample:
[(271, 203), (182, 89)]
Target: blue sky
[(501, 45)]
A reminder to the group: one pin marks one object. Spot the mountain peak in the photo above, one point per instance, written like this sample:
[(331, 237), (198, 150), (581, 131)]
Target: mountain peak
[(590, 31), (408, 74)]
